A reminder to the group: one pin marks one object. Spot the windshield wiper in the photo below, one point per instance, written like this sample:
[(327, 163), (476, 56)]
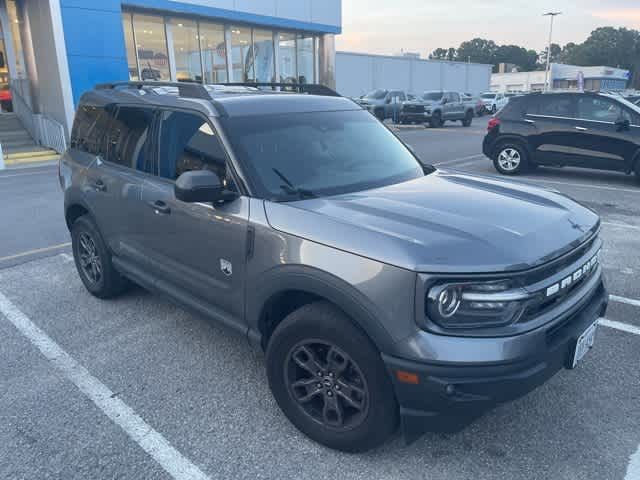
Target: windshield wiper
[(290, 189)]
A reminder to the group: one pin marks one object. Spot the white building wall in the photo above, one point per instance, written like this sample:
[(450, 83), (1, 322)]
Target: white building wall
[(325, 12), (357, 74)]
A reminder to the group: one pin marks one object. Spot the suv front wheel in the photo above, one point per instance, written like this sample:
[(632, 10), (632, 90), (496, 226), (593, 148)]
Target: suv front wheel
[(329, 380), (511, 159), (93, 260)]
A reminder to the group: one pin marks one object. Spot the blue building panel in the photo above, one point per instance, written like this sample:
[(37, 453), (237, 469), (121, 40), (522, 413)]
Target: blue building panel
[(95, 42)]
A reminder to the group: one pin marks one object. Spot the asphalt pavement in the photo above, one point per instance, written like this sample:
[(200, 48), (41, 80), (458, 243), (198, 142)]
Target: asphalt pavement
[(136, 388)]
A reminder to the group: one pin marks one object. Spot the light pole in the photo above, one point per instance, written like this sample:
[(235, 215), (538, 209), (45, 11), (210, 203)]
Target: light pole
[(546, 74)]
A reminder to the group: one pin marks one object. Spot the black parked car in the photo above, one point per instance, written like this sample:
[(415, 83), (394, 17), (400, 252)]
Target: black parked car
[(589, 130)]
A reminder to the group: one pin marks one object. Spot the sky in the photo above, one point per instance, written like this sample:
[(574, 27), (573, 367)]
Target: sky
[(389, 26)]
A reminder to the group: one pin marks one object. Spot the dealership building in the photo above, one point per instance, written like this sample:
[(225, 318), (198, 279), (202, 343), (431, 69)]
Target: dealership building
[(562, 77), (54, 50)]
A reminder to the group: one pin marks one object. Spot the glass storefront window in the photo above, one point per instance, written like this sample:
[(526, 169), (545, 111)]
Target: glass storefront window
[(152, 47), (305, 58), (241, 54), (263, 53), (186, 50), (287, 57), (214, 52), (130, 45)]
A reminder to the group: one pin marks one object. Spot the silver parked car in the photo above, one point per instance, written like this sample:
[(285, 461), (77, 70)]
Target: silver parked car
[(384, 293)]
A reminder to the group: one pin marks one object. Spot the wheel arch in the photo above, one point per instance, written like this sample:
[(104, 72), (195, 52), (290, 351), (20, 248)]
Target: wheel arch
[(285, 289), (510, 138)]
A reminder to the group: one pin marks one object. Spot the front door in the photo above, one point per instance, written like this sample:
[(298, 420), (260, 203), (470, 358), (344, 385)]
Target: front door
[(607, 134), (196, 250)]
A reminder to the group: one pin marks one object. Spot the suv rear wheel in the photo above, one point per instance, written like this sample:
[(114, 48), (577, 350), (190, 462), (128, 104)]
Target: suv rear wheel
[(511, 159), (329, 380), (93, 260)]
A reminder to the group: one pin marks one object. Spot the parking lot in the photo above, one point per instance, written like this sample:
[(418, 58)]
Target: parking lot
[(136, 388)]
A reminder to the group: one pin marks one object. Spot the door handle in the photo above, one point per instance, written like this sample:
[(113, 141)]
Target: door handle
[(160, 208), (99, 186), (581, 129)]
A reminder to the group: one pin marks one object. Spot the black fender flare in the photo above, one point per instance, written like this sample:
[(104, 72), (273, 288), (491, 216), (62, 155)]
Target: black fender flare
[(73, 198), (634, 166), (319, 283)]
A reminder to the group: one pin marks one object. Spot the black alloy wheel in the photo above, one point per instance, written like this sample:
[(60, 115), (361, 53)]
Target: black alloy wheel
[(327, 384)]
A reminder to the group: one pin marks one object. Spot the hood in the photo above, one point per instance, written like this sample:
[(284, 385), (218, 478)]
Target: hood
[(422, 102), (445, 222)]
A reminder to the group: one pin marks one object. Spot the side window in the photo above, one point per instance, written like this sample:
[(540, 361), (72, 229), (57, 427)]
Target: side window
[(598, 109), (402, 97), (130, 137), (455, 97), (89, 129), (188, 143), (552, 106)]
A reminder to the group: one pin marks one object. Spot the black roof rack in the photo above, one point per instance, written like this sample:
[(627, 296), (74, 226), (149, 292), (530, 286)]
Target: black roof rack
[(308, 88), (199, 90), (185, 89)]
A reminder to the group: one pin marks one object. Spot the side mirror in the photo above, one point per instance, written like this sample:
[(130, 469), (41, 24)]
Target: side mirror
[(623, 124), (199, 186), (387, 100), (444, 101)]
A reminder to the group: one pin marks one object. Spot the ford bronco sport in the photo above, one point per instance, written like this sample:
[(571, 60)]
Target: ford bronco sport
[(384, 293)]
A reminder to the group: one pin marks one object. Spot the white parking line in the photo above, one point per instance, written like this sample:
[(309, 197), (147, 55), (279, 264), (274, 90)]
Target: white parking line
[(621, 225), (152, 442), (623, 327), (633, 470), (628, 301), (33, 252), (459, 159)]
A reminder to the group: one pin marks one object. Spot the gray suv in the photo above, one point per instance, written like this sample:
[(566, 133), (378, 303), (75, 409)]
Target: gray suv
[(385, 294)]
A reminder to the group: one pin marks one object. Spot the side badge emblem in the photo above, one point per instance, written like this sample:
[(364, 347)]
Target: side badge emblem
[(226, 267)]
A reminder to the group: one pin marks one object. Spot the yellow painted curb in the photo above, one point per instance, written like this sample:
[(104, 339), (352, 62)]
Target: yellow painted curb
[(39, 153), (43, 158)]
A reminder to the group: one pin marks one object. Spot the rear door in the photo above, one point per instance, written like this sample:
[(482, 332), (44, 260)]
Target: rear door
[(603, 139), (119, 140), (553, 116), (196, 250)]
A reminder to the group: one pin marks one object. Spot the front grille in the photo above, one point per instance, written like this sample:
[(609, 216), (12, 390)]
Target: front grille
[(413, 108)]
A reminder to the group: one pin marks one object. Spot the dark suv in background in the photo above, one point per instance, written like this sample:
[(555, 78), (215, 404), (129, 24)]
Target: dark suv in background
[(380, 294), (589, 130)]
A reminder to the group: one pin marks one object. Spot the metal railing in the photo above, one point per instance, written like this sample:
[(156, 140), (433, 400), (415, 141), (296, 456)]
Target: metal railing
[(43, 129)]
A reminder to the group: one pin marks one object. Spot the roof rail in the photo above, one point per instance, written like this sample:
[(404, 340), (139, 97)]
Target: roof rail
[(185, 89), (308, 88)]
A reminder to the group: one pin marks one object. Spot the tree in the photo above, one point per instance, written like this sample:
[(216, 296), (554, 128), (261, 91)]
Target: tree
[(478, 50), (556, 54), (524, 59), (608, 46), (443, 54)]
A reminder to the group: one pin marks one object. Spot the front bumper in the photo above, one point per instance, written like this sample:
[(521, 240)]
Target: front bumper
[(449, 396), (415, 116)]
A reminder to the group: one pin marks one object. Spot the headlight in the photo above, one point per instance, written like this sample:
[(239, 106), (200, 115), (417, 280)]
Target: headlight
[(475, 305)]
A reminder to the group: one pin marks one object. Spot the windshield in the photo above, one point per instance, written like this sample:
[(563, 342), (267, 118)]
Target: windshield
[(303, 155), (488, 96), (376, 94), (432, 96), (633, 106)]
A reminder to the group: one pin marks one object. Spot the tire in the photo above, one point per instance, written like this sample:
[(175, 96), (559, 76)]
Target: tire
[(511, 158), (93, 260), (436, 120), (468, 119), (299, 352), (637, 170)]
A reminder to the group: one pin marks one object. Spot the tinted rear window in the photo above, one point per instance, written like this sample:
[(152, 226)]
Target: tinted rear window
[(551, 106)]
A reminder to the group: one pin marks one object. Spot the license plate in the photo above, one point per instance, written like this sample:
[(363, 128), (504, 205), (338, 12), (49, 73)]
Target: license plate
[(584, 344)]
